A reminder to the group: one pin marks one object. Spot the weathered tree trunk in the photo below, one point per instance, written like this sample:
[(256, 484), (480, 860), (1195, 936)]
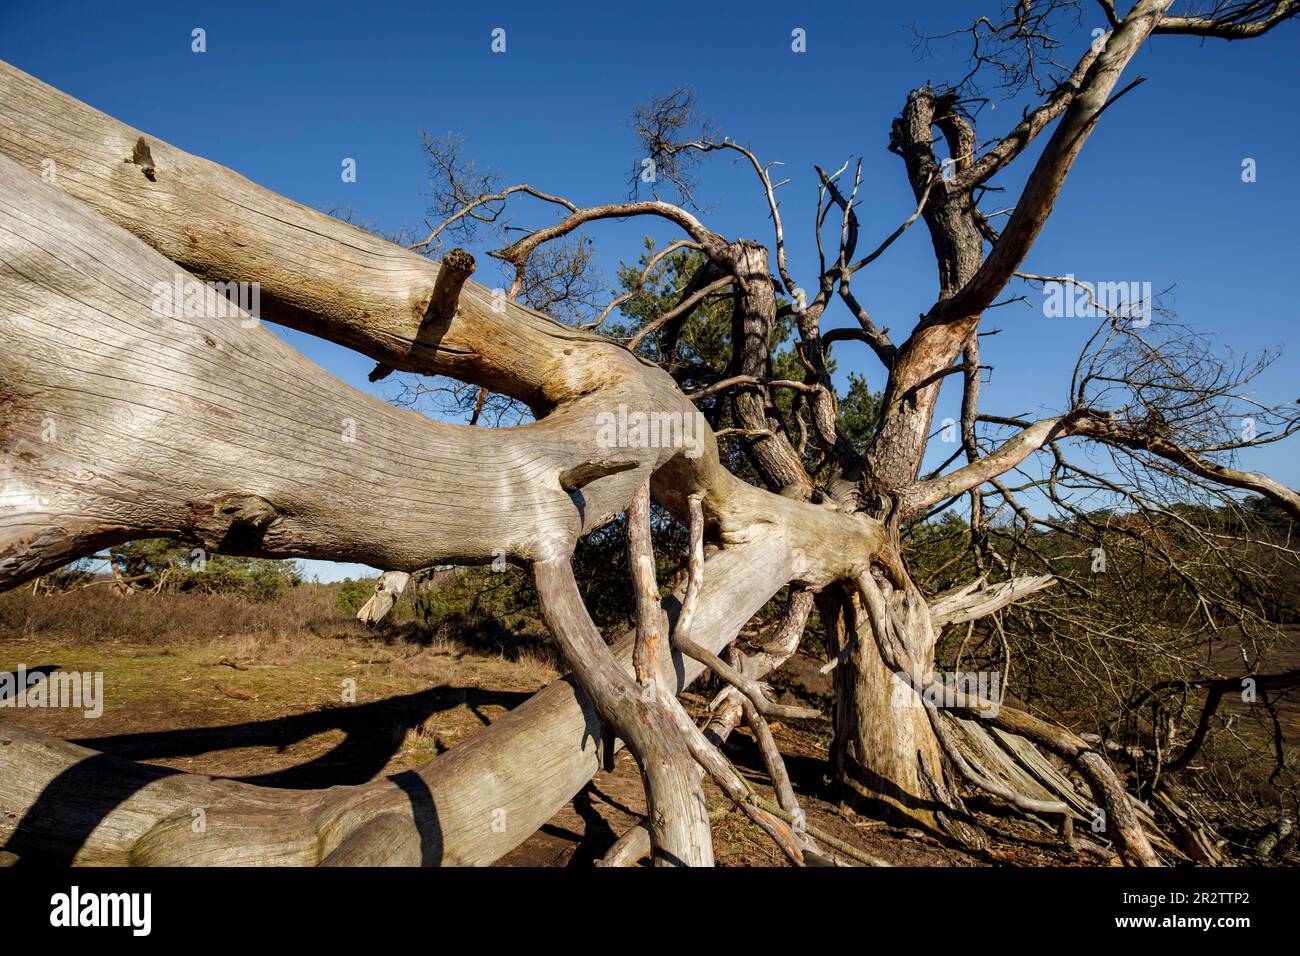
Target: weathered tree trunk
[(147, 441), (891, 751), (208, 428), (884, 743), (773, 456), (467, 807)]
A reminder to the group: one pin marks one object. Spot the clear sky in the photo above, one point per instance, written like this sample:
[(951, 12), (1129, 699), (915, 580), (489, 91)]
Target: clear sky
[(286, 91)]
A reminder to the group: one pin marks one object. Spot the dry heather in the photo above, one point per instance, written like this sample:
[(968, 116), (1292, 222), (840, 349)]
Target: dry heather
[(283, 631)]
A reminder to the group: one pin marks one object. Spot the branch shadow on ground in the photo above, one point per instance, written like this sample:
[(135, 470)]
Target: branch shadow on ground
[(56, 826)]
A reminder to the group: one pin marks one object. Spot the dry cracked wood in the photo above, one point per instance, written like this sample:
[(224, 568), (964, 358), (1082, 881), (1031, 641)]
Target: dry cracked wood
[(896, 620), (358, 290), (217, 431), (239, 430), (467, 807)]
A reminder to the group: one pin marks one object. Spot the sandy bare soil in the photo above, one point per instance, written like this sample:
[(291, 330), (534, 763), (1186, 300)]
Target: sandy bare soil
[(170, 703)]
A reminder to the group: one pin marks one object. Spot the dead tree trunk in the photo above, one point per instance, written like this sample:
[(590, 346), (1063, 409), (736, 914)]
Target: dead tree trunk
[(891, 752), (209, 428), (126, 413)]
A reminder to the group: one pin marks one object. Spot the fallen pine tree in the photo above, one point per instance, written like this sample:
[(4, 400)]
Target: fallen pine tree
[(197, 423)]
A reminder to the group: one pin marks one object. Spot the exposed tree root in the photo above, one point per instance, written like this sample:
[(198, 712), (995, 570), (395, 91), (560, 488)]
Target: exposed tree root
[(892, 617)]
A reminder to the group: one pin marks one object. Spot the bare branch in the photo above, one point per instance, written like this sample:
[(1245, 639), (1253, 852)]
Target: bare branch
[(1233, 19), (682, 309), (1044, 184)]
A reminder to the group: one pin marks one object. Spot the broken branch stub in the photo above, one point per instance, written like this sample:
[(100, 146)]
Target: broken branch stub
[(388, 589), (457, 267)]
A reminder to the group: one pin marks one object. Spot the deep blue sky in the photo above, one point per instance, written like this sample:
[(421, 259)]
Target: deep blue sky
[(286, 91)]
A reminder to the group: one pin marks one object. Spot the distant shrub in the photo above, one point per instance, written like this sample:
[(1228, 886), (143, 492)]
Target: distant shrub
[(167, 564), (351, 593)]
